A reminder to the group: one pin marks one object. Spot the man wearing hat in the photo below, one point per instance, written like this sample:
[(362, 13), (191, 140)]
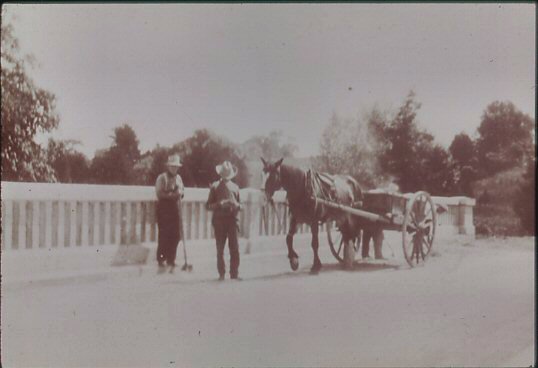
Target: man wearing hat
[(224, 201), (170, 191)]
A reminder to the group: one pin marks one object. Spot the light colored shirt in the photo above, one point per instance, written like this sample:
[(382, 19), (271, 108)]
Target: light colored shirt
[(169, 186)]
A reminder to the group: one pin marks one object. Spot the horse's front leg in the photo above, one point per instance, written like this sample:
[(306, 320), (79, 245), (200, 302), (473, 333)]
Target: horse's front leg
[(292, 256), (315, 245)]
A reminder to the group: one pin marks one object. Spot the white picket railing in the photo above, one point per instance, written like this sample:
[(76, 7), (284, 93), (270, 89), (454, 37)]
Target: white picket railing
[(42, 215)]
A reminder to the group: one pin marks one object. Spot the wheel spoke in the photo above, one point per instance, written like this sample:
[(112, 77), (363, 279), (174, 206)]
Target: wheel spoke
[(340, 247), (427, 243), (422, 250), (414, 220), (416, 250), (421, 208), (429, 213)]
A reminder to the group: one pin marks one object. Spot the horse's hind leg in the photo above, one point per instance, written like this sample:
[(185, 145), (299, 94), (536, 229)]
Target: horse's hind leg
[(315, 245), (292, 256)]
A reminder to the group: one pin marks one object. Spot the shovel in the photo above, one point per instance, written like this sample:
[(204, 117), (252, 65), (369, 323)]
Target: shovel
[(186, 266)]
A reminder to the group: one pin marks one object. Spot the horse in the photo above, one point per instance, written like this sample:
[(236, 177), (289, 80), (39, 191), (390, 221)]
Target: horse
[(303, 207)]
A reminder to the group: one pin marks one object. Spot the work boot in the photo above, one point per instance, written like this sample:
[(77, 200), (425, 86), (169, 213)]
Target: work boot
[(221, 278)]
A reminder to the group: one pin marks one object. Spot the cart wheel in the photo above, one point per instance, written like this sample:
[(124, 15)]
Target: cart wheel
[(418, 230), (336, 242)]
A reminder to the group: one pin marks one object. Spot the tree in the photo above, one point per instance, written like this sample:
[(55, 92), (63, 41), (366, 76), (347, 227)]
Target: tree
[(116, 165), (346, 147), (151, 164), (464, 162), (525, 201), (462, 150), (437, 176), (271, 147), (26, 110), (505, 138), (70, 166), (410, 155), (202, 152)]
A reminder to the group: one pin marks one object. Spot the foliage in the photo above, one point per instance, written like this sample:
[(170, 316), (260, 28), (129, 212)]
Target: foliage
[(26, 110), (70, 166), (410, 155), (116, 165), (202, 152), (525, 200), (496, 219), (505, 138), (347, 147), (462, 150), (271, 147), (494, 212), (464, 163), (150, 165)]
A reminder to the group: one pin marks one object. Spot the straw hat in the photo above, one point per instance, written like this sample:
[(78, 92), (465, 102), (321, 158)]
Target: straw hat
[(226, 170), (174, 160)]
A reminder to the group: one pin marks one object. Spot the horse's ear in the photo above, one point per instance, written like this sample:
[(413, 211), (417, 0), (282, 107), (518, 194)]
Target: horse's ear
[(279, 162), (264, 162)]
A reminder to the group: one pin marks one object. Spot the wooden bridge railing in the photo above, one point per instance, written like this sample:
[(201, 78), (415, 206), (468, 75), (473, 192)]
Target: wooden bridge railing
[(42, 215)]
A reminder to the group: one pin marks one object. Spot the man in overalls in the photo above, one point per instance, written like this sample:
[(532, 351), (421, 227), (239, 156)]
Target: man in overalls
[(224, 201), (375, 233), (170, 191)]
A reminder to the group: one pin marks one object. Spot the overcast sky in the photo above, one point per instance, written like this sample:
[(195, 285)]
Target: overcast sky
[(241, 70)]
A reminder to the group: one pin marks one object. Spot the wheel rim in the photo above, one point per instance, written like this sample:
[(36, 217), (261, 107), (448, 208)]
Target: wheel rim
[(418, 229), (336, 242)]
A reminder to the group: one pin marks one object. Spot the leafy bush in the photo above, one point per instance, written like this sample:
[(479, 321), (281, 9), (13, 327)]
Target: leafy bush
[(496, 220), (525, 199), (495, 213)]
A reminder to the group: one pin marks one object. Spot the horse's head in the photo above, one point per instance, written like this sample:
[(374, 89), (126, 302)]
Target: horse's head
[(272, 181)]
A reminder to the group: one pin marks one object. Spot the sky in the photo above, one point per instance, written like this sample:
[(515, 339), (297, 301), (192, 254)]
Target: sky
[(247, 69)]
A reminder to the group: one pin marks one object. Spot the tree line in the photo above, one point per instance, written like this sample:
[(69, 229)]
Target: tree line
[(496, 166), (378, 148), (123, 162)]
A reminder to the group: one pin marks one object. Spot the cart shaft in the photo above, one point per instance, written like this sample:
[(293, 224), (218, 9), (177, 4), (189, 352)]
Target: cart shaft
[(354, 211)]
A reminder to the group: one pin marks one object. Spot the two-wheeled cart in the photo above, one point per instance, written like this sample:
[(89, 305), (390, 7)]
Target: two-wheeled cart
[(412, 214)]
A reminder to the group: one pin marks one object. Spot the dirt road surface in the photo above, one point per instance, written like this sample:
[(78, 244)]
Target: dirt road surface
[(472, 304)]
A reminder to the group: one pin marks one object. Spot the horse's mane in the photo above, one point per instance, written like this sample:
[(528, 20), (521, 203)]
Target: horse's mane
[(293, 180)]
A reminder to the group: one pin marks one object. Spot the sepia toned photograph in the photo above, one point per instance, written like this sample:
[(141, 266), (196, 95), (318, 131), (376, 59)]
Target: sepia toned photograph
[(268, 185)]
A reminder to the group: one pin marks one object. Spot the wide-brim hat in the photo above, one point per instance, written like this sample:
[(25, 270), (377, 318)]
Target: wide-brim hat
[(226, 170), (174, 160)]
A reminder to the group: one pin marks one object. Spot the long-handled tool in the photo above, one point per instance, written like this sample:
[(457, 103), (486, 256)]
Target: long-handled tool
[(186, 266)]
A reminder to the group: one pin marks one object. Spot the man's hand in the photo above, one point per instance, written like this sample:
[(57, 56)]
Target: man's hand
[(228, 204)]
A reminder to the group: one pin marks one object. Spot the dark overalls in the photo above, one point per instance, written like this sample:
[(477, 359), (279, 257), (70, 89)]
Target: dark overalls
[(169, 193), (225, 223), (375, 233)]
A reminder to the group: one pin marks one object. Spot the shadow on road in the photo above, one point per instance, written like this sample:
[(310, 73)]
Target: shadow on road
[(302, 272)]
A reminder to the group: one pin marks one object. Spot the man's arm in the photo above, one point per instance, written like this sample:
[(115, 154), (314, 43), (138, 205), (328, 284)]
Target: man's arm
[(211, 203), (181, 187), (238, 199)]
